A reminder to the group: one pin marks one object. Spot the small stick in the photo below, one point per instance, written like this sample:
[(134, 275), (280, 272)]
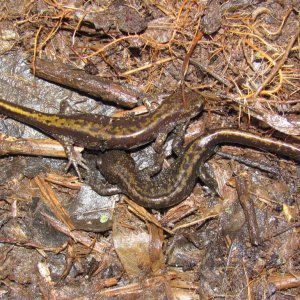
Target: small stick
[(78, 236), (50, 199), (186, 60), (141, 212), (279, 64), (34, 147), (211, 72), (285, 281), (283, 230), (92, 85), (243, 190)]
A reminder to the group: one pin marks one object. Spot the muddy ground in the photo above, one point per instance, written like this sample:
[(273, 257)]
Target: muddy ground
[(234, 237)]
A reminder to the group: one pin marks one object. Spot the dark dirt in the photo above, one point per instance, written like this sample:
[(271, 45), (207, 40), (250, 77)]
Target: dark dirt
[(237, 237)]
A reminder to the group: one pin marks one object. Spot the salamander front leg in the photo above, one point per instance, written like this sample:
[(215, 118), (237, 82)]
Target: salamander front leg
[(207, 177), (159, 155), (159, 142), (206, 173), (150, 104), (75, 159), (177, 147), (178, 141)]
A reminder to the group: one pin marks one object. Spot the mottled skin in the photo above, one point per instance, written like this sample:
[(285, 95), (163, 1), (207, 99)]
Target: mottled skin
[(174, 184), (103, 132)]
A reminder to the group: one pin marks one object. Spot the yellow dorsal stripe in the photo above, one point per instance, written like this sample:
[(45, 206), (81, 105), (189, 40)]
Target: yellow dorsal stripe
[(79, 125)]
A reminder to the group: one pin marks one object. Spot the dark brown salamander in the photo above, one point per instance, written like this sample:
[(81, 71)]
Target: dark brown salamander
[(174, 184), (103, 132)]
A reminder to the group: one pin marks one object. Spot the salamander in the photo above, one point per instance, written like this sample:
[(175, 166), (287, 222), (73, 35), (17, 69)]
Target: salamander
[(175, 183), (104, 132)]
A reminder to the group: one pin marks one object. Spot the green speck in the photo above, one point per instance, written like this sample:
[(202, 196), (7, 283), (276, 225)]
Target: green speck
[(103, 219)]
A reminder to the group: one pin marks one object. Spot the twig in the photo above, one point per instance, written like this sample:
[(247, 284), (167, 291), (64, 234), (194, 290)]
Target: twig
[(50, 199), (186, 61), (243, 190), (95, 86), (150, 65), (211, 72), (141, 212), (281, 25), (285, 281), (35, 48), (279, 64), (33, 147), (283, 230), (195, 222), (78, 236), (27, 244)]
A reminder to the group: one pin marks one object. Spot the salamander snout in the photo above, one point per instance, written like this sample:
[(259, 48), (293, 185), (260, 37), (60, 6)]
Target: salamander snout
[(195, 104)]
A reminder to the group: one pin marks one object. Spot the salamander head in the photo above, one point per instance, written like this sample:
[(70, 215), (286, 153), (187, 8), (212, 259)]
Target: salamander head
[(194, 103), (115, 164), (192, 107)]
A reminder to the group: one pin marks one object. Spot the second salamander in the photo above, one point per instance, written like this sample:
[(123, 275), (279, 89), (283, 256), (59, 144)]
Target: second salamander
[(174, 184)]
